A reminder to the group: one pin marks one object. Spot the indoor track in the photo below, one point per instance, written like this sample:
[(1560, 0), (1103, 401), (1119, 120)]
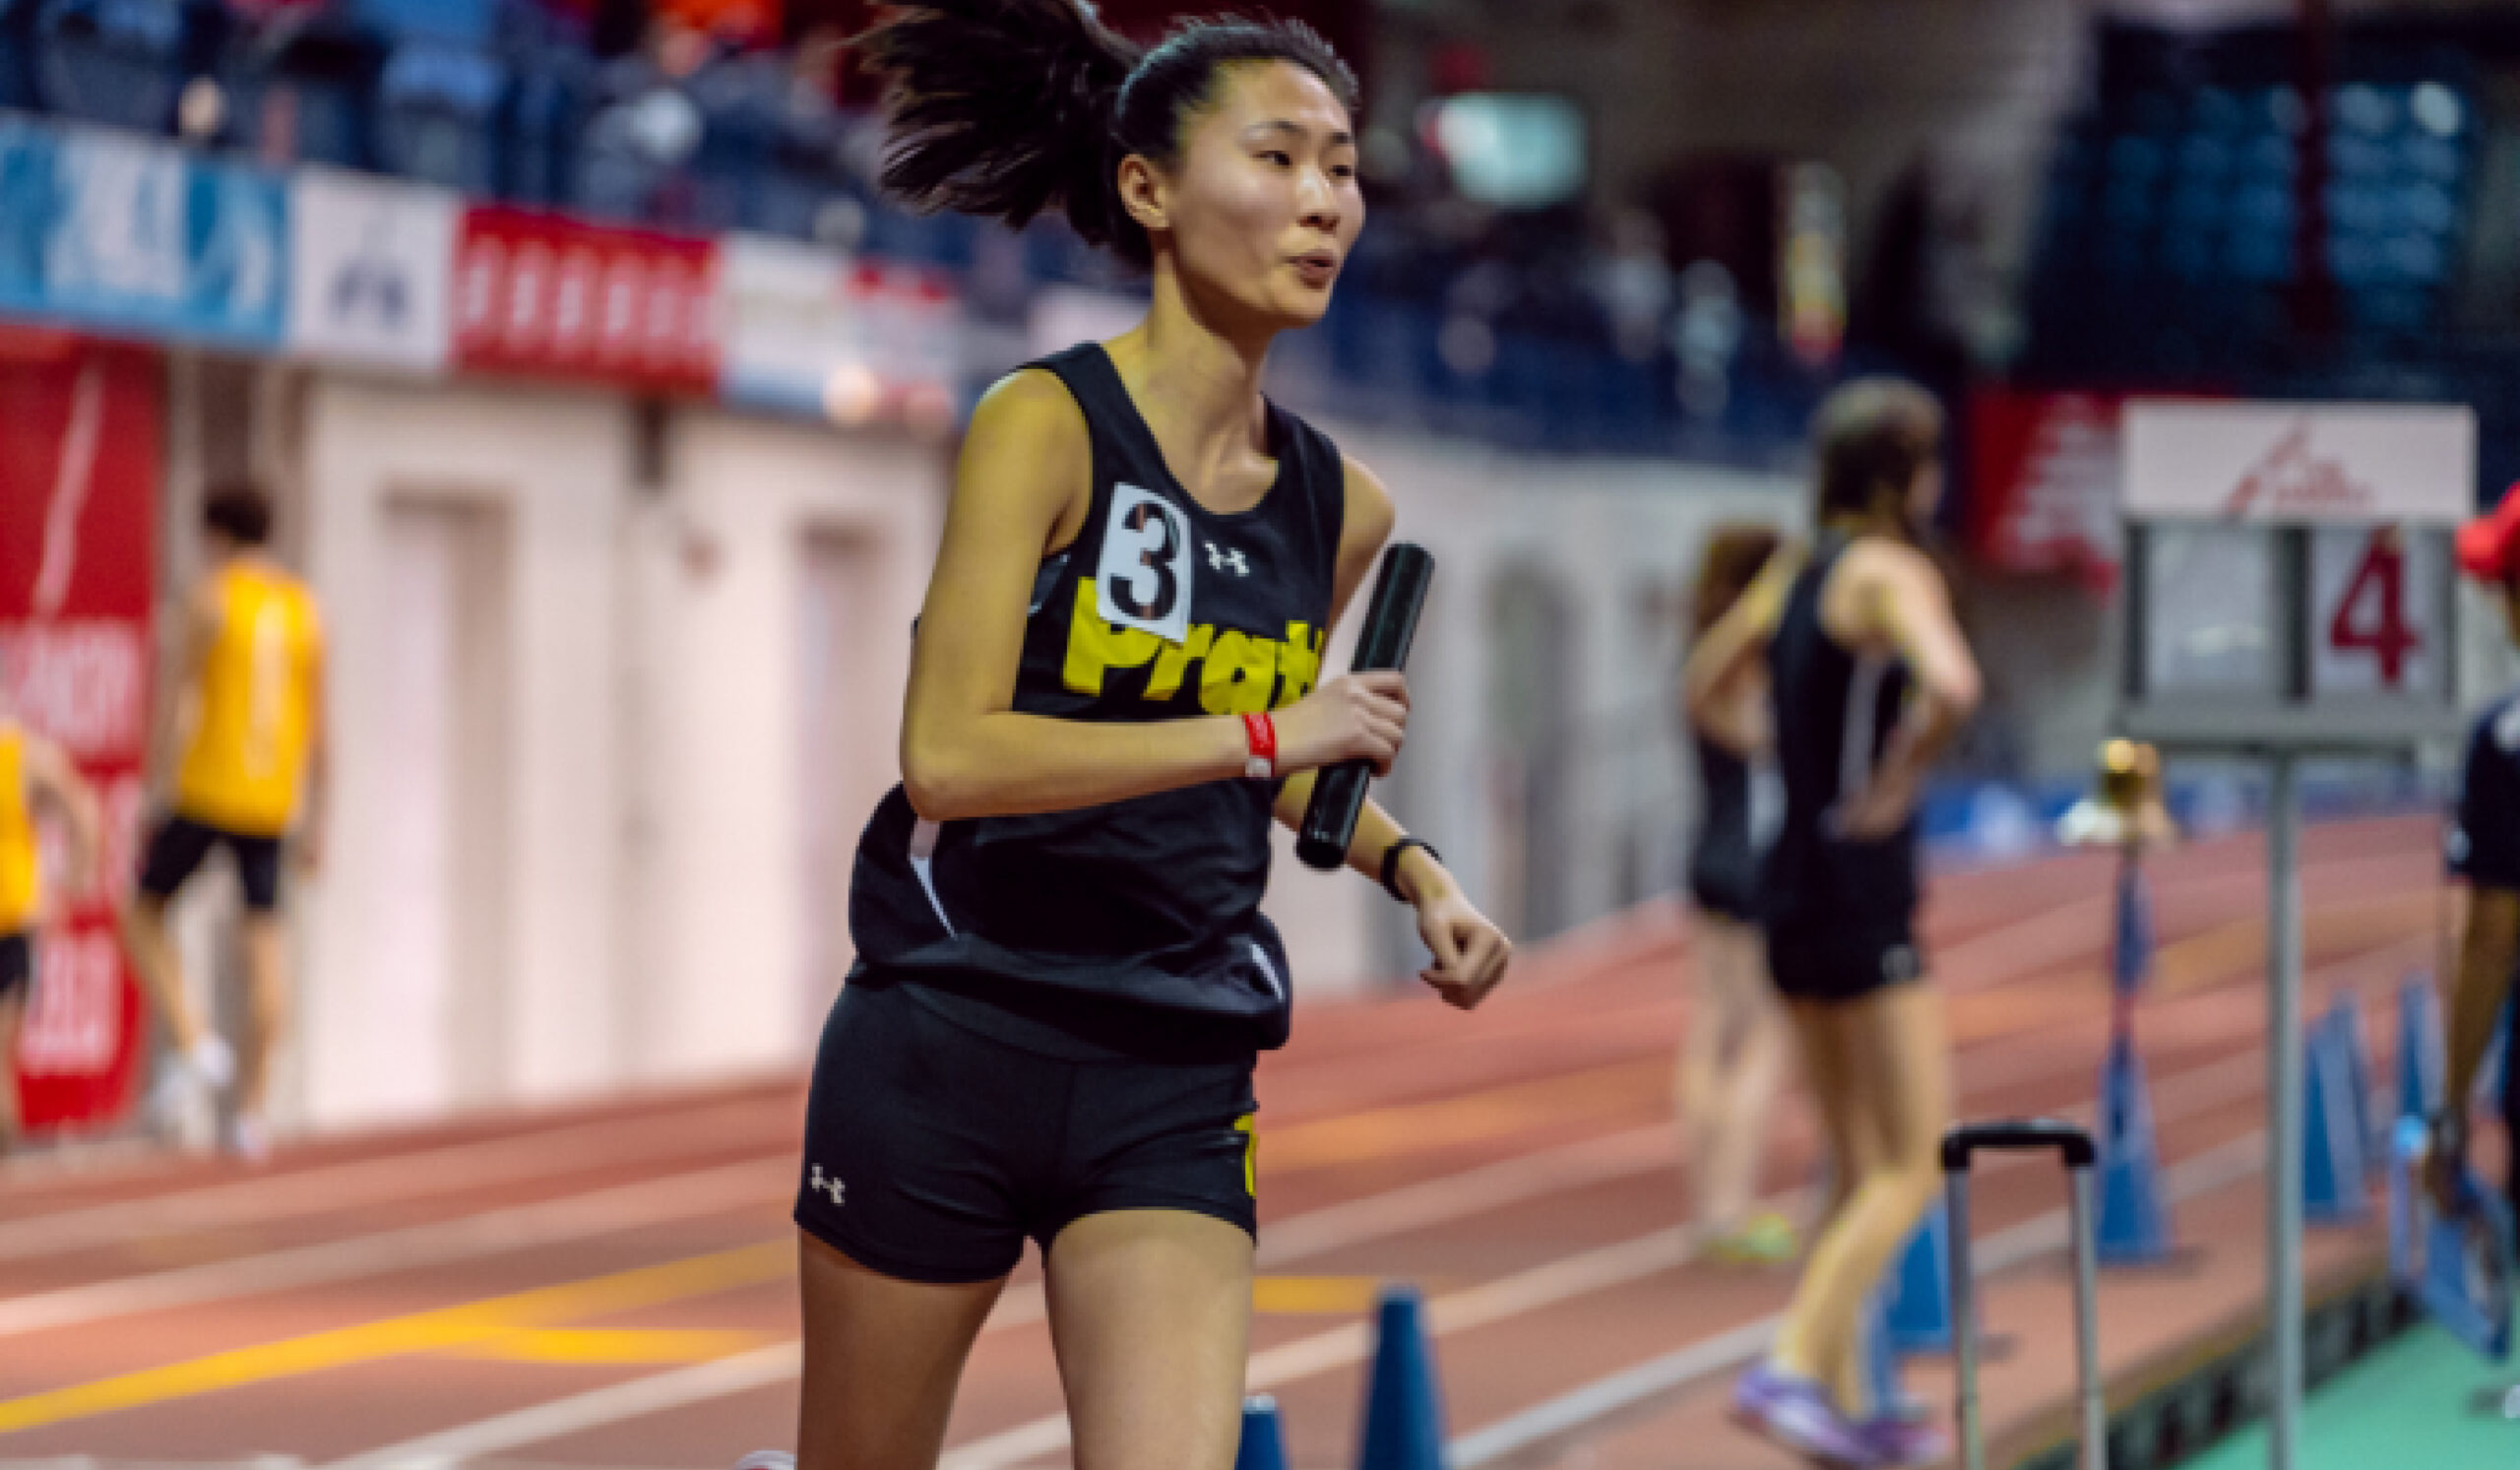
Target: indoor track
[(614, 1286)]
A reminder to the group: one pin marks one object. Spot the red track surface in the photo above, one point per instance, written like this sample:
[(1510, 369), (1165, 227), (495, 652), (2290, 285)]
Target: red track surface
[(614, 1286)]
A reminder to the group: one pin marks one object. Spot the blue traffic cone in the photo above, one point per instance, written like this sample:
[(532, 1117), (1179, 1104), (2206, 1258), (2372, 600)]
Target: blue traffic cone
[(2334, 1182), (2421, 1051), (2497, 1056), (2345, 1013), (2134, 1223), (1264, 1445), (1918, 1312), (1404, 1402), (2130, 950), (1887, 1392)]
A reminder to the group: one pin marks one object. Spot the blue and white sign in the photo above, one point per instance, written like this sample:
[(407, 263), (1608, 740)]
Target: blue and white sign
[(124, 234), (370, 262)]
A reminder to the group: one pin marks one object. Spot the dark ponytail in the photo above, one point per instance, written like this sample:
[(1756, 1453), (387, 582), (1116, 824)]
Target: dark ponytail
[(1005, 108)]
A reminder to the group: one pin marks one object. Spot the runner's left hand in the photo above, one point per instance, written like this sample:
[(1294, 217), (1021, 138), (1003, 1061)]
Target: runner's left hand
[(1470, 953)]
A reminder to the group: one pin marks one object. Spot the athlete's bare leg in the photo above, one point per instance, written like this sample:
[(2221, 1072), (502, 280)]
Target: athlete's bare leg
[(13, 1015), (142, 922), (1151, 1314), (267, 996), (882, 1359), (1729, 1066), (1892, 1090), (1824, 1070)]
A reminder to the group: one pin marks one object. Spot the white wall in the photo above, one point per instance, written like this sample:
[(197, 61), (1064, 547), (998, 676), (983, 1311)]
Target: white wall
[(718, 692), (653, 920), (550, 467)]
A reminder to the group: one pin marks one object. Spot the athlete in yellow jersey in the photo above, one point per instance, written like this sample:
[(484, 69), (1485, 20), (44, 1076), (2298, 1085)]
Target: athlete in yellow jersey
[(34, 772), (248, 710)]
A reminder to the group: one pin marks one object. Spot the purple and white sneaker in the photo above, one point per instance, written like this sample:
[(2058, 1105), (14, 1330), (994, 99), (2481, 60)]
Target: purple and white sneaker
[(1794, 1412), (1905, 1440)]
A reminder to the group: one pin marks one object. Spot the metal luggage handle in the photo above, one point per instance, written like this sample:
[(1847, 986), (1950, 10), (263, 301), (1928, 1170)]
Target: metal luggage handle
[(2026, 1135), (2017, 1135)]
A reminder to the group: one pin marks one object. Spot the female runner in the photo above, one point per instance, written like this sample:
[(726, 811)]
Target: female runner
[(1734, 1053), (1872, 679), (1064, 973)]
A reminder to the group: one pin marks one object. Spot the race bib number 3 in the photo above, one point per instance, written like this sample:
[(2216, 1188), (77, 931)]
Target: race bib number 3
[(1144, 579)]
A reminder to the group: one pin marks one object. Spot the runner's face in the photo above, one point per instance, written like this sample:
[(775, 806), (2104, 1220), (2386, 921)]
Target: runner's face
[(1265, 205)]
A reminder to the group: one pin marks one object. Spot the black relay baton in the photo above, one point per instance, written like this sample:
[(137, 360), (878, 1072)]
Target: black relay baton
[(1391, 621)]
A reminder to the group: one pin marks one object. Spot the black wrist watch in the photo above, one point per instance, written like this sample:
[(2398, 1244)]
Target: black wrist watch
[(1391, 864), (2449, 1133)]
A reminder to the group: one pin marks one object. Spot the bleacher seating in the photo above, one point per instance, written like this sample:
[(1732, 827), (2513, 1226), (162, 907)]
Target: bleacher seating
[(2169, 243), (441, 115), (18, 53), (303, 89), (502, 99), (116, 62)]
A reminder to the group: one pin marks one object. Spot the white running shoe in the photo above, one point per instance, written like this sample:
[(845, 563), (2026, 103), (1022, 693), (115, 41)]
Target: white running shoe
[(179, 1107), (247, 1138), (212, 1061), (767, 1459)]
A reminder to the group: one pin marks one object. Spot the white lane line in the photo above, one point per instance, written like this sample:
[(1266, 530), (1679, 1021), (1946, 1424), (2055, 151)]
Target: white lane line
[(2216, 1169), (1436, 1201), (1565, 1279), (1348, 1224), (575, 1217), (389, 1179), (1534, 1175), (2061, 933), (1315, 1233), (2178, 1096), (761, 1367)]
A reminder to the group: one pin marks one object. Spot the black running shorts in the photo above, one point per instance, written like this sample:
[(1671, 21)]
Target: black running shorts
[(1834, 965), (17, 965), (177, 845), (932, 1151)]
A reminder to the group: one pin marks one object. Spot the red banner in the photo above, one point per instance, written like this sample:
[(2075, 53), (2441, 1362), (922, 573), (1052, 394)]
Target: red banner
[(80, 467), (538, 293), (2042, 482)]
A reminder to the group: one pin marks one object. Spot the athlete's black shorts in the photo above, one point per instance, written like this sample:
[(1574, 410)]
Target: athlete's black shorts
[(1724, 880), (1724, 899), (932, 1151), (17, 964), (179, 843), (1834, 964)]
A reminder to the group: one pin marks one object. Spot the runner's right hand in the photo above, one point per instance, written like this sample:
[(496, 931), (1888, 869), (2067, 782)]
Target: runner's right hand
[(1353, 716)]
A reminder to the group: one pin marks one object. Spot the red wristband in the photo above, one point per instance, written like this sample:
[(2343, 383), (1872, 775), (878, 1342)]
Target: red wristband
[(1260, 735)]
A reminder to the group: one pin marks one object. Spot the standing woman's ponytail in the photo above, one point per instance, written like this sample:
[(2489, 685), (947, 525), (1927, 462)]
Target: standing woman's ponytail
[(1005, 108)]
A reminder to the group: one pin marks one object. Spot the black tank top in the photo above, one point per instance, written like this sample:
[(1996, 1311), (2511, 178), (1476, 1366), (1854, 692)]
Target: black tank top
[(1835, 712), (1138, 917), (1736, 818)]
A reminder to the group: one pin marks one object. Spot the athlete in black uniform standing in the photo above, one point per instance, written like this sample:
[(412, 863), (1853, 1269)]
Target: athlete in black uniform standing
[(1872, 679), (1064, 974), (1734, 1053), (2484, 853)]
